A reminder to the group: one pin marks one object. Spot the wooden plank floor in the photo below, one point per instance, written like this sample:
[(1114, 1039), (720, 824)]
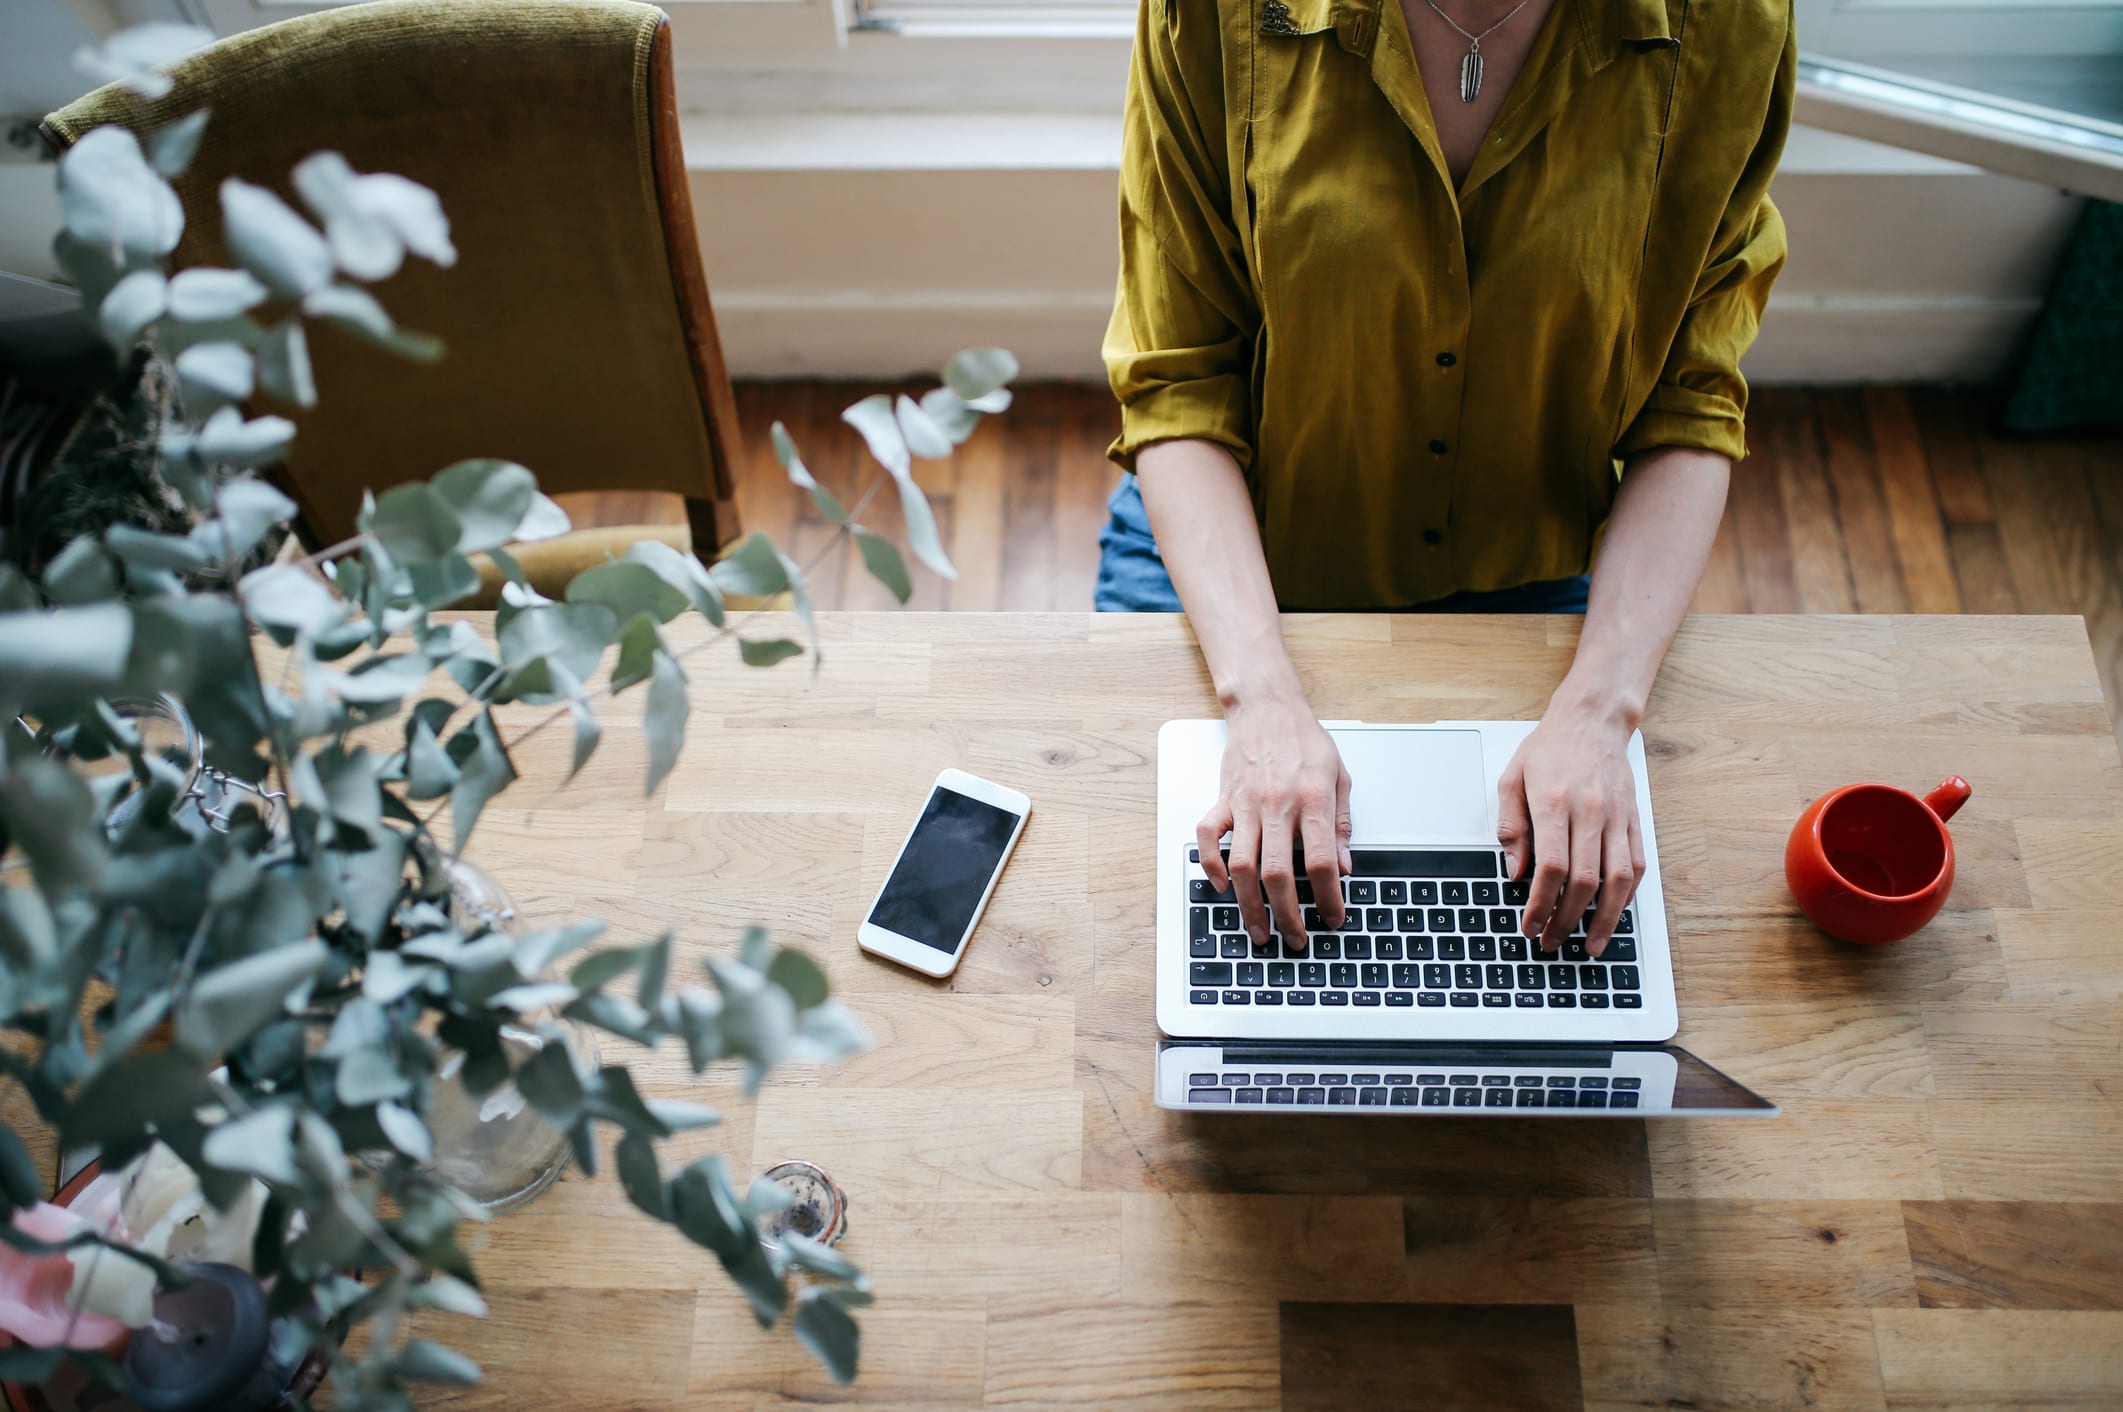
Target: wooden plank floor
[(1872, 500)]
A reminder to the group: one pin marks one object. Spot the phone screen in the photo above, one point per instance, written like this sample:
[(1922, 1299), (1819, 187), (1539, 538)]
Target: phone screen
[(955, 848)]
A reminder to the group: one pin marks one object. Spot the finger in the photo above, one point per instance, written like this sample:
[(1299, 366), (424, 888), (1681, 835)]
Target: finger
[(1246, 874), (1344, 831), (1582, 884), (1322, 866), (1514, 824), (1279, 875), (1617, 885), (1550, 852), (1209, 839)]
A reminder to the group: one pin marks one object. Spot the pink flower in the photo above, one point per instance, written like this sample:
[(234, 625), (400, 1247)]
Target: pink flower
[(33, 1288)]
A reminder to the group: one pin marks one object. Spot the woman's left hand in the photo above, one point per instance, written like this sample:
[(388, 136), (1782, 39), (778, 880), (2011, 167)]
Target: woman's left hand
[(1566, 805)]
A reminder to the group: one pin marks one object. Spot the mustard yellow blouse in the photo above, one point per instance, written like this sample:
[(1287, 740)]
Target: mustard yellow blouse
[(1431, 389)]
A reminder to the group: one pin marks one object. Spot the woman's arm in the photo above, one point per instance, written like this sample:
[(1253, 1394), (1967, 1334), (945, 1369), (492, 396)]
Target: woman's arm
[(1282, 777), (1567, 802)]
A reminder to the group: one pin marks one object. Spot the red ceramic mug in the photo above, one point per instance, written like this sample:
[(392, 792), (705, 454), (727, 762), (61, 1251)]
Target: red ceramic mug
[(1872, 863)]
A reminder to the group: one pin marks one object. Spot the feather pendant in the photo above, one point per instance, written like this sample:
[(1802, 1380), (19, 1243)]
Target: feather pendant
[(1471, 77)]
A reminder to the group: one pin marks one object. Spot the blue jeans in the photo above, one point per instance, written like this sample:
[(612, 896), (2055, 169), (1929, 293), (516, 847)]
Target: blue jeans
[(1132, 577)]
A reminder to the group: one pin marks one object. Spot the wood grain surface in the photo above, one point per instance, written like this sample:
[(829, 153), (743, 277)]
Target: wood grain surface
[(1933, 1223)]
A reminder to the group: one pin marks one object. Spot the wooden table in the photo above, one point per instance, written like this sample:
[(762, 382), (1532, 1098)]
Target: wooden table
[(1936, 1220)]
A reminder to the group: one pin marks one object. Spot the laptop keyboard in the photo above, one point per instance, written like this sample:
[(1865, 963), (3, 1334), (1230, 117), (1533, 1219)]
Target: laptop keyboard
[(1429, 929), (1411, 1088)]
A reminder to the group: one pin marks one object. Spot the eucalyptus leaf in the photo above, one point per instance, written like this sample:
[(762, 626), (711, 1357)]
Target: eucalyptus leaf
[(357, 311), (767, 652), (923, 436), (20, 1182), (976, 372), (800, 475), (138, 547), (410, 1135), (639, 642), (448, 1294), (260, 1144), (483, 771), (133, 56), (679, 1115), (51, 814), (873, 418), (430, 772), (371, 221), (284, 363), (639, 1176), (133, 303), (490, 499), (540, 949), (173, 145), (550, 1081), (204, 294), (226, 1005), (213, 374), (603, 966), (664, 718), (50, 657), (415, 523), (283, 596), (627, 588), (370, 1076), (587, 733), (272, 242), (655, 970), (818, 1258), (378, 680), (799, 975), (81, 573), (114, 202), (421, 1361), (950, 413), (751, 570), (230, 440), (139, 1091), (546, 520), (881, 557), (572, 634), (390, 977), (922, 537), (832, 1336)]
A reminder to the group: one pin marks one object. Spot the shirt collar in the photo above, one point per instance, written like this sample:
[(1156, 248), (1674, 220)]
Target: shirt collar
[(1640, 24)]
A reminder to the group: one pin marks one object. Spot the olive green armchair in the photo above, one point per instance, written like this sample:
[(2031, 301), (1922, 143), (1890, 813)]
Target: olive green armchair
[(578, 334)]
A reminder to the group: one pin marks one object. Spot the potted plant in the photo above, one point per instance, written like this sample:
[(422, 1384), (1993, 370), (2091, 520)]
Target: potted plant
[(242, 949)]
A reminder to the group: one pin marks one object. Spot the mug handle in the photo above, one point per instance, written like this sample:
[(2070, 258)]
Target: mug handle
[(1947, 799)]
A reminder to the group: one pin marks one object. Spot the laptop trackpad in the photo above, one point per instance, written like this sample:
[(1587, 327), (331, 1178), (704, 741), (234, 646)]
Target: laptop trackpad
[(1414, 785)]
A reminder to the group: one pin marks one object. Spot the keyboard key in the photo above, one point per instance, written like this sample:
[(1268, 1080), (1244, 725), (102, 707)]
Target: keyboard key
[(1236, 948), (1562, 1001), (1407, 975), (1437, 1097), (1330, 1080), (1574, 950), (1268, 997), (1503, 920), (1461, 1098), (1342, 973), (1497, 975), (1327, 948), (1201, 997), (1238, 997), (1202, 946), (1473, 919), (1626, 923), (1420, 948), (1362, 890), (1465, 1081), (1439, 919), (1262, 950), (1592, 977), (1629, 1001), (1282, 1095), (1314, 922), (1482, 948), (1529, 1098), (1423, 894), (1408, 919), (1198, 921), (1202, 1080), (1371, 1098), (1631, 1084), (1425, 863), (1364, 997), (1451, 948), (1622, 1100), (1233, 1081), (1282, 973), (1561, 977), (1208, 1095), (1591, 1100), (1593, 1000), (1357, 948), (1300, 997), (1341, 1097), (1512, 948), (1312, 973), (1387, 948), (1532, 977), (1304, 891), (1373, 974), (1406, 1097), (1393, 894), (1201, 890), (1453, 894), (1248, 1095), (1312, 1095), (1517, 890), (1497, 1098), (1593, 1081), (1625, 978), (1526, 1000), (1430, 999), (1208, 973), (1496, 1081), (1334, 997), (1437, 976), (1561, 1098), (1251, 973), (1401, 999), (1393, 1080), (1464, 1000), (1467, 976), (1495, 1000), (1227, 919), (1485, 894), (1378, 919)]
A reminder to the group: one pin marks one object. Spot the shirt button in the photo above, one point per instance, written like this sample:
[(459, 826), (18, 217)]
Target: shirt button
[(1438, 448), (1446, 360), (1433, 538)]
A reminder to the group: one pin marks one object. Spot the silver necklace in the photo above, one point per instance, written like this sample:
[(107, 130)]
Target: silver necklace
[(1471, 66)]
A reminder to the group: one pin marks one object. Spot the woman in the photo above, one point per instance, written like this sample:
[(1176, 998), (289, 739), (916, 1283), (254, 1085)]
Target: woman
[(1419, 300)]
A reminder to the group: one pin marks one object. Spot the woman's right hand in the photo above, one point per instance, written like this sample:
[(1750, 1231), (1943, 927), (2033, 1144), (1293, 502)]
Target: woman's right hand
[(1283, 785)]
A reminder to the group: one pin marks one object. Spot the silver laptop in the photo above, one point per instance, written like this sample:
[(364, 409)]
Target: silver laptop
[(1428, 999)]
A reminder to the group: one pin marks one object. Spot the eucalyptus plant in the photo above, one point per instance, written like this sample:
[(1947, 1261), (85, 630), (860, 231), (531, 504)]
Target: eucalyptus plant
[(269, 990)]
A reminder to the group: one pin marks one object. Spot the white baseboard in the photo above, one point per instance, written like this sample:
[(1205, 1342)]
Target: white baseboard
[(1055, 334)]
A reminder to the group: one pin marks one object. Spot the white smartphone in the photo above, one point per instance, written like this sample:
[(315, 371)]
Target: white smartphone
[(940, 883)]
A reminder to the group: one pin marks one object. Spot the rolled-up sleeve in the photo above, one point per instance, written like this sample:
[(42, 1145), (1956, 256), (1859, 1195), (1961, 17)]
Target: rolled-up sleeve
[(1177, 350), (1700, 398)]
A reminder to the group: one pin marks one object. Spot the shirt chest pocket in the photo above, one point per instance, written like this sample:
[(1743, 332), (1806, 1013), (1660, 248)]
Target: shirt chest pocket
[(1302, 48)]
